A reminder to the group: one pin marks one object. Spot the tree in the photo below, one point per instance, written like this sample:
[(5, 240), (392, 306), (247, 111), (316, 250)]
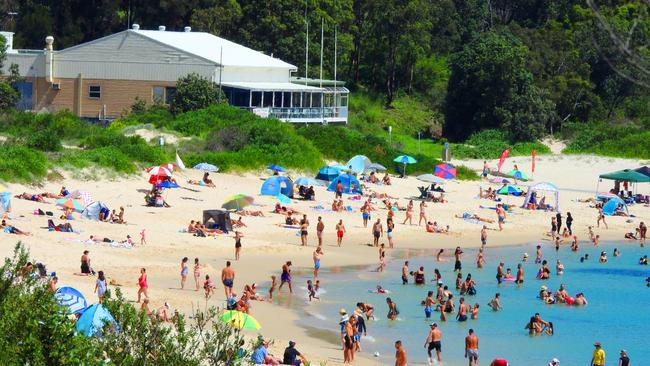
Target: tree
[(195, 92), (221, 19), (490, 87), (8, 96)]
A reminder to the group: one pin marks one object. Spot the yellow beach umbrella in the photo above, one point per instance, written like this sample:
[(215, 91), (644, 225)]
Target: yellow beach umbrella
[(239, 320)]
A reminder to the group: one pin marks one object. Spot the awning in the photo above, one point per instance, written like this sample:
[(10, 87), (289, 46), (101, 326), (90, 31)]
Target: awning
[(626, 175), (288, 87)]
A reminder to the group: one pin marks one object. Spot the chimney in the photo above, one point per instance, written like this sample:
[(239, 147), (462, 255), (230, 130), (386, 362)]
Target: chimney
[(9, 36), (187, 29), (161, 28), (135, 26)]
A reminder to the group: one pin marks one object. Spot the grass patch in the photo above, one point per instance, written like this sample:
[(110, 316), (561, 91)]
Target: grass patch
[(628, 141), (489, 144), (22, 164)]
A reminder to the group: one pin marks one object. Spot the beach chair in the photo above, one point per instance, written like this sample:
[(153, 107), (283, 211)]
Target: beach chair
[(424, 193)]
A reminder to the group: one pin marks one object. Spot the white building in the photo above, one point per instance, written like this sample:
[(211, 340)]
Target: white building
[(100, 79)]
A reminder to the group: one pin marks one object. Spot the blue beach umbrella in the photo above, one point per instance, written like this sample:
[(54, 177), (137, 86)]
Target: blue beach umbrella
[(276, 168), (306, 181), (283, 199), (93, 319), (518, 174), (168, 184), (206, 167), (71, 299)]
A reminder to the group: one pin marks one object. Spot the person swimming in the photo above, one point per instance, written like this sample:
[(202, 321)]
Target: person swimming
[(419, 276)]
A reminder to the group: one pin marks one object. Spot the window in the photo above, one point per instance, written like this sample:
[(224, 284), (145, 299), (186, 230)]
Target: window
[(297, 100), (268, 99), (277, 99), (286, 100), (94, 91), (170, 92), (158, 94), (257, 99)]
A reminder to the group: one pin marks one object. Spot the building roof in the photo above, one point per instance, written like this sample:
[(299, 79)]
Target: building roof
[(209, 47)]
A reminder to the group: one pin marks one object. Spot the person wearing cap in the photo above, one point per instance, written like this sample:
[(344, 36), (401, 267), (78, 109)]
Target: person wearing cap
[(342, 321), (433, 343), (292, 356), (261, 355), (598, 357), (554, 362), (623, 360)]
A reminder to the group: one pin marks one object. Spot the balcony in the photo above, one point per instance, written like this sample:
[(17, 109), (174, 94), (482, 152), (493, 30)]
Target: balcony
[(310, 115)]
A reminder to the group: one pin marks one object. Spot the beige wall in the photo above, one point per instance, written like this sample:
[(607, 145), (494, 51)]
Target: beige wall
[(116, 95)]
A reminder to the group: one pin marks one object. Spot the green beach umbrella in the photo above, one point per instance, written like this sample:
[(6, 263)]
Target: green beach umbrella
[(237, 202), (518, 174), (239, 320), (405, 159)]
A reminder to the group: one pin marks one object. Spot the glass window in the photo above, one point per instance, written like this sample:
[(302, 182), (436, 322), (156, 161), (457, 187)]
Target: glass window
[(170, 93), (344, 101), (329, 100), (158, 94), (268, 99), (316, 99), (94, 91), (277, 99), (306, 100), (241, 98), (257, 99), (296, 100), (286, 101)]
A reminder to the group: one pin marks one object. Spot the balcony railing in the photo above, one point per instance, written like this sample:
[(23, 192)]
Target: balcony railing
[(310, 113)]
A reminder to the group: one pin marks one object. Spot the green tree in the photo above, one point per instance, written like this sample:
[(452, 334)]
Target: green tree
[(220, 19), (490, 87), (195, 92)]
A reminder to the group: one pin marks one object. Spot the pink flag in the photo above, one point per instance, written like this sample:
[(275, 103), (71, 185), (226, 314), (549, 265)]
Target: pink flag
[(504, 155)]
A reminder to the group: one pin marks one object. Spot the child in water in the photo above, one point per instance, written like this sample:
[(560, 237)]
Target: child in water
[(311, 291), (272, 287)]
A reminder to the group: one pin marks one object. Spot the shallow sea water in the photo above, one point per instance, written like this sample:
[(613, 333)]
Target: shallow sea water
[(617, 314)]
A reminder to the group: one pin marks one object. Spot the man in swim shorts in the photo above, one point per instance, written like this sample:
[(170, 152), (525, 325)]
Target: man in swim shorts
[(377, 232), (228, 279), (286, 276), (458, 254), (340, 230), (462, 310), (471, 348), (433, 343), (320, 226)]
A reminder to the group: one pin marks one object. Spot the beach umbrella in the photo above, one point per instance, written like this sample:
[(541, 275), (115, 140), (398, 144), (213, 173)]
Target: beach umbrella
[(510, 190), (405, 159), (160, 171), (276, 168), (93, 319), (86, 197), (70, 203), (444, 170), (499, 180), (168, 184), (283, 199), (306, 181), (206, 167), (168, 166), (239, 320), (358, 163), (375, 167), (237, 202), (518, 174), (71, 299), (430, 178)]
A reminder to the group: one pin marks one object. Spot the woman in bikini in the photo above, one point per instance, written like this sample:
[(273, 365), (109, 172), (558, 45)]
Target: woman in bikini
[(185, 270), (423, 214), (409, 213), (390, 227), (238, 236), (197, 273)]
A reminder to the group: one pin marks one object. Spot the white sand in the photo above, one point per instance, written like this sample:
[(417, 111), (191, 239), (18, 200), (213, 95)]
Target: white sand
[(266, 246)]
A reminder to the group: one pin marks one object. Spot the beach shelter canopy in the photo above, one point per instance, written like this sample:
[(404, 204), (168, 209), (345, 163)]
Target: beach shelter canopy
[(358, 163), (328, 173), (206, 167), (612, 206), (626, 175), (518, 174), (277, 184), (71, 299), (5, 201), (84, 196), (93, 319), (220, 217), (546, 187), (350, 184), (643, 170), (92, 211)]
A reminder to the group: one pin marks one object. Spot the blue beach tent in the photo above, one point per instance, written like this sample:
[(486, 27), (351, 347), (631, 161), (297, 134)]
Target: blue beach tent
[(358, 163), (277, 184), (610, 207), (71, 299), (328, 173), (92, 321), (350, 183)]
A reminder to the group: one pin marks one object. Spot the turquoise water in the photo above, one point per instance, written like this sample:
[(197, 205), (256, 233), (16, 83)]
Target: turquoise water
[(617, 314)]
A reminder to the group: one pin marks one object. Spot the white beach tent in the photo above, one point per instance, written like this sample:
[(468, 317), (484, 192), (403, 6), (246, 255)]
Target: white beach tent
[(544, 187), (92, 211)]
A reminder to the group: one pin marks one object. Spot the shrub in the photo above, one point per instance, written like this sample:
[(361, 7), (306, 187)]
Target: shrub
[(489, 144), (22, 164), (625, 141), (195, 92)]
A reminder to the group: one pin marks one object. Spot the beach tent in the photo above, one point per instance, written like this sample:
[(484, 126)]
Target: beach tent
[(610, 207), (306, 181), (510, 190), (5, 202), (544, 187), (358, 163), (350, 183), (220, 217), (92, 211), (626, 175), (277, 184), (71, 299), (93, 319), (328, 173), (643, 170)]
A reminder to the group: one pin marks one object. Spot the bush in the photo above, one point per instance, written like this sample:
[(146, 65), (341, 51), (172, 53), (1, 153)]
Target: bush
[(625, 141), (489, 144), (45, 140), (194, 92), (22, 164)]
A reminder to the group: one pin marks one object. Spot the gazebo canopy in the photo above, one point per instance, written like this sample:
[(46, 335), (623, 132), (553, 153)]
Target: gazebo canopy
[(544, 186), (626, 175)]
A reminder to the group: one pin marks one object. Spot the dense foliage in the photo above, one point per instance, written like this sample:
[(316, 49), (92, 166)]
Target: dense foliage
[(195, 92)]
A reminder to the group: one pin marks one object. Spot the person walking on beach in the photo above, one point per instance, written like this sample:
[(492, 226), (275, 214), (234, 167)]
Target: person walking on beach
[(423, 213), (318, 253), (197, 273), (143, 285), (598, 357), (340, 230), (238, 236), (320, 227), (501, 216), (433, 342), (365, 214), (484, 236), (100, 286), (400, 354), (409, 213), (285, 277), (601, 217), (405, 273), (471, 348), (458, 254), (304, 225), (228, 279), (569, 222), (185, 270), (377, 232), (390, 227)]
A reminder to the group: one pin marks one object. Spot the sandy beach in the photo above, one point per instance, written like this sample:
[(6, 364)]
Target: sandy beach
[(266, 245)]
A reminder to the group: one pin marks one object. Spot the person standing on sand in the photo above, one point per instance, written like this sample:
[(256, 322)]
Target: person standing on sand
[(558, 219), (423, 213), (400, 354), (377, 232), (601, 217), (501, 216), (143, 237), (238, 236), (569, 222), (318, 253), (484, 236), (228, 279), (100, 286), (320, 226), (365, 214), (143, 284), (185, 270), (304, 225), (197, 273), (471, 348), (340, 230), (405, 273), (409, 213), (433, 342), (286, 276), (643, 231)]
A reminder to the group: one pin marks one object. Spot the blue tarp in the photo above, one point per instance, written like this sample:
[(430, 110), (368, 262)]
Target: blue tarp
[(72, 299), (328, 173), (610, 207), (350, 183), (92, 321), (277, 184)]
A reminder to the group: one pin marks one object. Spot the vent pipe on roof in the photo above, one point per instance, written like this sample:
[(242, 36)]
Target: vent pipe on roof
[(161, 28), (135, 26), (187, 29), (49, 59)]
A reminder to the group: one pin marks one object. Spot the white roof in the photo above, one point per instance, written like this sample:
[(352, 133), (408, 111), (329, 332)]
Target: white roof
[(209, 47), (271, 86)]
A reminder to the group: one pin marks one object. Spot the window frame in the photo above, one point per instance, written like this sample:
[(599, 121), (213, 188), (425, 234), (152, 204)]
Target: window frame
[(90, 92)]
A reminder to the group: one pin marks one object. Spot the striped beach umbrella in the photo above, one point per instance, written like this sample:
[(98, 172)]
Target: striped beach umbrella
[(239, 320), (71, 299), (70, 203), (237, 202), (444, 170)]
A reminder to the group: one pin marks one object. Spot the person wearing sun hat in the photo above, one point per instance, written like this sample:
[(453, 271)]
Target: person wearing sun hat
[(554, 362), (342, 321), (598, 357)]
